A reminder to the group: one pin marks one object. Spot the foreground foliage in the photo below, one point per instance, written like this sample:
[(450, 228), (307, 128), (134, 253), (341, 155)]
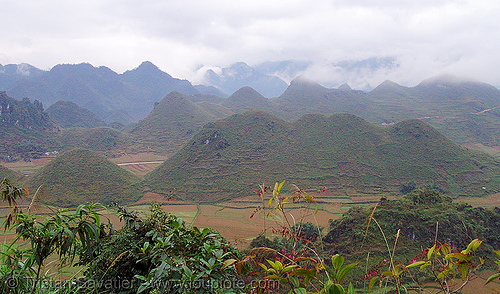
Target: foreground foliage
[(160, 253), (163, 254)]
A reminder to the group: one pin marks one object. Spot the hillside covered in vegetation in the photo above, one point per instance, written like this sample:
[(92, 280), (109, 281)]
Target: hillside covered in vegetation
[(80, 176), (423, 217), (69, 115), (172, 122), (6, 173), (348, 155), (25, 129)]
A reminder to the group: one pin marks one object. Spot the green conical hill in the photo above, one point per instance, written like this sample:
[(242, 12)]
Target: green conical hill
[(80, 176), (231, 157), (171, 123), (247, 98)]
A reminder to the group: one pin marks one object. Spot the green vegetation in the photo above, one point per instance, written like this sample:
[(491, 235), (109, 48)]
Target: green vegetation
[(6, 173), (161, 254), (25, 129), (246, 99), (100, 139), (466, 112), (170, 124), (69, 115), (342, 152), (80, 176), (417, 221)]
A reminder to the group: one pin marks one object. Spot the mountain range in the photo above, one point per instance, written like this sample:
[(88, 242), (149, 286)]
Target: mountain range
[(221, 147), (125, 97), (465, 111), (239, 75)]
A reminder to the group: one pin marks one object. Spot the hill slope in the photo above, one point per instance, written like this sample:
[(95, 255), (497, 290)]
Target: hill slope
[(25, 129), (172, 122), (6, 173), (69, 115), (230, 157), (245, 99), (79, 176), (102, 139), (416, 215)]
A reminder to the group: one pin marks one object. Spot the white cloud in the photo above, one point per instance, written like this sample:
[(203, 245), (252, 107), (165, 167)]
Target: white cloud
[(425, 37)]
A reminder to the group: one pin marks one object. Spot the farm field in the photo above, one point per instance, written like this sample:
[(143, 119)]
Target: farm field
[(28, 168), (240, 220), (139, 164), (233, 219)]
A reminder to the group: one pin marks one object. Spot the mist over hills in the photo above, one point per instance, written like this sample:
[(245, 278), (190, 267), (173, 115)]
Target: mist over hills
[(239, 75), (227, 158)]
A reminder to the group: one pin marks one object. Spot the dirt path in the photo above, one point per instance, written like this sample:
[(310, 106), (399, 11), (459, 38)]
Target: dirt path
[(139, 162), (486, 110)]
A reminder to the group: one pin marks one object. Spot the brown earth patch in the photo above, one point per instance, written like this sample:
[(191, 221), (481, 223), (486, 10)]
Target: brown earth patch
[(234, 224), (152, 197), (42, 160), (486, 201), (124, 157)]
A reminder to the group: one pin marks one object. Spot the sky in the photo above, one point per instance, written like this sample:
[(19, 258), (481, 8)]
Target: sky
[(359, 42)]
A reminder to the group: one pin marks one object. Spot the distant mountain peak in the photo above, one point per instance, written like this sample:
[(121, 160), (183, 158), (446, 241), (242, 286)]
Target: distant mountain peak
[(345, 86), (175, 96), (247, 98), (147, 64), (240, 69), (22, 69), (240, 74), (386, 85), (389, 83), (246, 91), (148, 67), (301, 80), (447, 79)]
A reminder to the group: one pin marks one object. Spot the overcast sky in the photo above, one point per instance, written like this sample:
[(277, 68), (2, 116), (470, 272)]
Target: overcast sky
[(423, 38)]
